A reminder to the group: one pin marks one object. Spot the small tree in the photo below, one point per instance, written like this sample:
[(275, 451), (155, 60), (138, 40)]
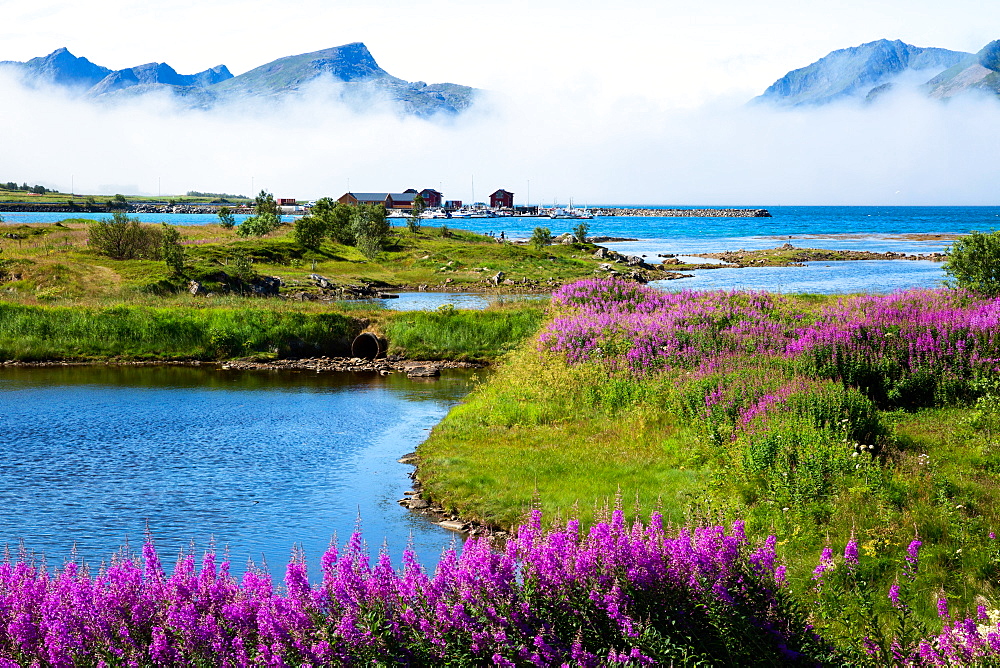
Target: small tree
[(413, 221), (974, 263), (226, 218), (266, 218), (118, 202), (309, 231), (580, 232), (172, 251), (371, 229), (541, 237), (336, 219)]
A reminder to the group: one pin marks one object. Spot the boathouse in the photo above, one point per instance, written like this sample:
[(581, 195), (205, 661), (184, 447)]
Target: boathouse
[(432, 198), (502, 199)]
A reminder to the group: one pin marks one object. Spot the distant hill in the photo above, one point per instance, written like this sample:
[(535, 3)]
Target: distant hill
[(979, 73), (351, 65), (858, 71)]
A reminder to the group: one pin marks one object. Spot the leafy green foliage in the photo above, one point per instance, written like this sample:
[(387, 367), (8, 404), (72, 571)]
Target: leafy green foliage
[(172, 251), (309, 231), (371, 229), (541, 237), (974, 263), (226, 218), (413, 220), (580, 232), (266, 218), (336, 220), (124, 238)]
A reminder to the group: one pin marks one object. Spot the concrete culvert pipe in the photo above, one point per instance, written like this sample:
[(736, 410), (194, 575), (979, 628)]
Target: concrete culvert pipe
[(368, 346)]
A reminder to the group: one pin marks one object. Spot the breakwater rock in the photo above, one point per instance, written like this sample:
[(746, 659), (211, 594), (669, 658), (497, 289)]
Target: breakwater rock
[(685, 213), (789, 255)]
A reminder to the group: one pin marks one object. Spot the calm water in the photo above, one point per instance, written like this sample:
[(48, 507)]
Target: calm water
[(259, 462), (785, 220)]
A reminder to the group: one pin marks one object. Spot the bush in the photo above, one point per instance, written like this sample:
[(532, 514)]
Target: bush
[(226, 218), (542, 236), (259, 225), (123, 238), (974, 263), (309, 231)]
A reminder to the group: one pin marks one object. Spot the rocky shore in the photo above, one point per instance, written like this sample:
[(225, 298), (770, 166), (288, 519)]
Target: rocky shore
[(685, 213), (382, 366), (414, 501)]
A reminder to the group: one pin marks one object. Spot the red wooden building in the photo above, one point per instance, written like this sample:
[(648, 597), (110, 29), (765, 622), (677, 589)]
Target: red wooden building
[(502, 199)]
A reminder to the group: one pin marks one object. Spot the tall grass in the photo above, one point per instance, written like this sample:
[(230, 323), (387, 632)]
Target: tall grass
[(454, 334), (135, 332)]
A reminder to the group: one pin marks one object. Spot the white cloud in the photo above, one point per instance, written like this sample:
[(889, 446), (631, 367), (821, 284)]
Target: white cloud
[(567, 143)]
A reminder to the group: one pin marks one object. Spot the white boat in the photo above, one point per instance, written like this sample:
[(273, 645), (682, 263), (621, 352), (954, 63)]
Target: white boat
[(571, 213)]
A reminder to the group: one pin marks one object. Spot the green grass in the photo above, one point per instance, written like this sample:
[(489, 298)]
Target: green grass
[(30, 333), (453, 334), (534, 433), (462, 261)]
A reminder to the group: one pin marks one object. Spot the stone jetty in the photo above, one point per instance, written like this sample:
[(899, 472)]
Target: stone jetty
[(685, 213)]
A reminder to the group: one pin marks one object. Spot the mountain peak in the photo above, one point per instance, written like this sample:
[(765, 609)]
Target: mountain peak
[(854, 71), (350, 64)]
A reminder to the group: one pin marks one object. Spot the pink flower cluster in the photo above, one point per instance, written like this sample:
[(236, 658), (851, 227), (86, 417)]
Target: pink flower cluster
[(949, 333), (548, 598)]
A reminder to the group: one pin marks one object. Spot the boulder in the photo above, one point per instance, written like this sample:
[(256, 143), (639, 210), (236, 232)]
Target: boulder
[(266, 286)]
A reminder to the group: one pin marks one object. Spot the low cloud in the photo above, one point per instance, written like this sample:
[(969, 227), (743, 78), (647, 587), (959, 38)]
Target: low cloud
[(575, 142)]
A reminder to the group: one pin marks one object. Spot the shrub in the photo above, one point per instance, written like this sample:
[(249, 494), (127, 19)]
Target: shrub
[(974, 263), (124, 238), (542, 236), (226, 218)]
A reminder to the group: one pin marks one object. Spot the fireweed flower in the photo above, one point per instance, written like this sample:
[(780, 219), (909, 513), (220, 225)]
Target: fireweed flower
[(851, 553)]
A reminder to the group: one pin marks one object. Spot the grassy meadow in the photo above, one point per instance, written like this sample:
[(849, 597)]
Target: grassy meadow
[(871, 421), (60, 299)]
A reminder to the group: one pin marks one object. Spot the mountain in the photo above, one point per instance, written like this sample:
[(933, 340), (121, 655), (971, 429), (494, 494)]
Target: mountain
[(856, 71), (60, 67), (158, 73), (362, 82), (980, 72)]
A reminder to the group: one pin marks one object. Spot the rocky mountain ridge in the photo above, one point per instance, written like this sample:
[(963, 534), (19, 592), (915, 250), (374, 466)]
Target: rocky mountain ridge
[(870, 70), (351, 67)]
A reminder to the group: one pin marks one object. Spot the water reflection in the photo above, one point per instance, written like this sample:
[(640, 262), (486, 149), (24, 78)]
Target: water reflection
[(257, 461)]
